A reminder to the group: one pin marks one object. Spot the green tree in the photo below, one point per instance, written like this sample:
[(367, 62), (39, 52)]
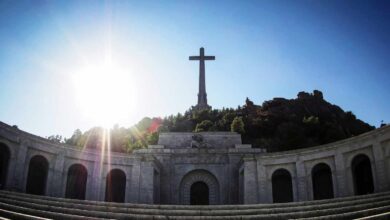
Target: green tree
[(135, 144), (118, 138), (199, 116), (227, 120), (237, 125), (277, 124), (310, 120), (56, 138), (75, 139), (291, 135), (144, 124), (152, 138), (93, 138), (204, 126)]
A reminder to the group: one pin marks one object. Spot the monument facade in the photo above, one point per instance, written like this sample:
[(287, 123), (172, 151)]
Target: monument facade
[(202, 168)]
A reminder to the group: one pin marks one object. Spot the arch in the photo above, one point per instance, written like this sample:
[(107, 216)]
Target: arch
[(282, 189), (116, 186), (76, 182), (321, 175), (362, 175), (203, 176), (37, 175), (199, 193), (4, 163)]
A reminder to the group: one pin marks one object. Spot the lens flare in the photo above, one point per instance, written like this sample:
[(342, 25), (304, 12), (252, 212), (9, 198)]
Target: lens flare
[(106, 94)]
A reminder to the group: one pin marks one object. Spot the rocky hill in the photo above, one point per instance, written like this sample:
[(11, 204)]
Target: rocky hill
[(277, 125), (308, 120)]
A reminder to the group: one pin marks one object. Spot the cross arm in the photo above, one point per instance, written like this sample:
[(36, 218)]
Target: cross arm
[(194, 57), (209, 57)]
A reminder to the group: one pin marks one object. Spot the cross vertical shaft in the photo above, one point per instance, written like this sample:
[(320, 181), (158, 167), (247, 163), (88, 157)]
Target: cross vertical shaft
[(202, 95)]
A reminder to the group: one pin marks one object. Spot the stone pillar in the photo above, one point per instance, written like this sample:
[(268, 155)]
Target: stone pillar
[(19, 172), (134, 183), (301, 182), (233, 180), (262, 182), (146, 189), (341, 176), (55, 176), (250, 180), (95, 189), (380, 168)]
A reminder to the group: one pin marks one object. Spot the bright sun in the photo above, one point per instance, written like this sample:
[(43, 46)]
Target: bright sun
[(106, 94)]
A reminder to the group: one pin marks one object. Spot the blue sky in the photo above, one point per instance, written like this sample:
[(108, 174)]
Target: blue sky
[(263, 49)]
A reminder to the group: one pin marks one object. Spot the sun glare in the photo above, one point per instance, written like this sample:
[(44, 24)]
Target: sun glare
[(106, 94)]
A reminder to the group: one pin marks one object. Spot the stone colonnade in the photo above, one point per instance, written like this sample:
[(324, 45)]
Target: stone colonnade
[(353, 166), (34, 165), (357, 165)]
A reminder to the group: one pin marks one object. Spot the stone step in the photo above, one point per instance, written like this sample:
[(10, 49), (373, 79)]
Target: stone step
[(15, 215), (373, 213), (350, 215), (39, 214), (25, 200), (190, 207), (307, 215), (384, 216), (360, 203)]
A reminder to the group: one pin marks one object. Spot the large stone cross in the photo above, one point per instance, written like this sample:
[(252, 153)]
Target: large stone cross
[(202, 95)]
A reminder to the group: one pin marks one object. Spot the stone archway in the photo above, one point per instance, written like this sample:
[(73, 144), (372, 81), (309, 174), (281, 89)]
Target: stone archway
[(116, 186), (37, 175), (282, 190), (4, 160), (321, 175), (362, 175), (76, 182), (199, 194), (199, 181)]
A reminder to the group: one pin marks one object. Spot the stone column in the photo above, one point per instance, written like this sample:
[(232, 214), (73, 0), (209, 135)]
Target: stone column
[(146, 189), (262, 182), (94, 192), (301, 182), (341, 176), (133, 195), (233, 179), (54, 180), (18, 162), (250, 180), (380, 168)]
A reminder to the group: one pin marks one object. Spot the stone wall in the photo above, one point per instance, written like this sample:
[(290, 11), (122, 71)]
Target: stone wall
[(234, 173), (139, 170), (338, 156), (186, 140)]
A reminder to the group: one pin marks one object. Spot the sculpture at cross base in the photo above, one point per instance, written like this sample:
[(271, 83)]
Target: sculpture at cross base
[(202, 95)]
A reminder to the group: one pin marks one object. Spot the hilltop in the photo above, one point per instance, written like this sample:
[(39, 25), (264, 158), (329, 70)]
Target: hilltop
[(277, 125)]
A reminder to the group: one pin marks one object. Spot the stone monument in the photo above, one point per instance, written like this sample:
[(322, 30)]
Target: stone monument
[(202, 95)]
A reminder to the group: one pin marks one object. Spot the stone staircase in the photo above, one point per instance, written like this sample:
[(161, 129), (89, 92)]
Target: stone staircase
[(24, 206)]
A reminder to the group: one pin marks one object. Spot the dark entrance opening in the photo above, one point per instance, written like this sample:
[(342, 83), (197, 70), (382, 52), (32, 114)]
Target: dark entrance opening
[(321, 175), (37, 175), (362, 175), (4, 159), (199, 194), (76, 182), (116, 186), (282, 186)]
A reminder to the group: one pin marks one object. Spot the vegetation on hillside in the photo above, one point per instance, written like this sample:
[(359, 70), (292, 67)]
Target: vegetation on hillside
[(277, 125)]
